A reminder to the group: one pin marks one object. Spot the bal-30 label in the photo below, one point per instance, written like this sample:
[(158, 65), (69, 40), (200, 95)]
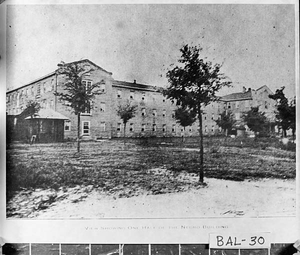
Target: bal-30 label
[(247, 241)]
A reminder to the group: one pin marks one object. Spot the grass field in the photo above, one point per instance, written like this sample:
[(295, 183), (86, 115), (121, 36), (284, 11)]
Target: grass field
[(151, 165)]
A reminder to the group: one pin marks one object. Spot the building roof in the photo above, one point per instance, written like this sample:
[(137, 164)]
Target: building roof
[(53, 73), (90, 62), (237, 96), (134, 85), (48, 114), (34, 81)]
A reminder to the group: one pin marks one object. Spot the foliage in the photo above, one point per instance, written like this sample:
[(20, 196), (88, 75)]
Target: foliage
[(256, 120), (226, 121), (184, 116), (32, 108), (194, 83), (78, 94), (126, 112), (286, 111)]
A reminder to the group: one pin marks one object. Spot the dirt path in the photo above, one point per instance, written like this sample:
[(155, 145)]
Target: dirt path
[(221, 198)]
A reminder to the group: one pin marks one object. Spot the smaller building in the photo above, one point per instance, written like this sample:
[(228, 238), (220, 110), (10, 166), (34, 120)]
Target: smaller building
[(240, 103), (45, 126)]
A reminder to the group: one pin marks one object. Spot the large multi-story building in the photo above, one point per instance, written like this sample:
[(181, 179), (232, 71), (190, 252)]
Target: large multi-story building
[(154, 115)]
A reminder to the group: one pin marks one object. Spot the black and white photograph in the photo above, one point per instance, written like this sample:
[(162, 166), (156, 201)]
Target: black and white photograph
[(150, 111)]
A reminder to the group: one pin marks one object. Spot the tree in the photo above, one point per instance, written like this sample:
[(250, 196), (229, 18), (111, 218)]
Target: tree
[(256, 120), (226, 121), (193, 85), (126, 112), (31, 108), (184, 117), (286, 112), (78, 94)]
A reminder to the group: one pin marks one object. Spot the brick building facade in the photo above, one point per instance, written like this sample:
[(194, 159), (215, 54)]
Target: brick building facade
[(154, 116)]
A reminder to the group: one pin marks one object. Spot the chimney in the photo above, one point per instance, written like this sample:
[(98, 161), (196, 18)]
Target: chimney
[(244, 89), (249, 89), (134, 81)]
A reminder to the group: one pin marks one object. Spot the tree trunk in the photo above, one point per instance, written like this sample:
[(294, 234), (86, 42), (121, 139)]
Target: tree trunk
[(293, 134), (78, 132), (283, 132), (124, 130), (201, 171)]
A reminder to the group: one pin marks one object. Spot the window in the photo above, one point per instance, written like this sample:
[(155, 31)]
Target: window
[(102, 126), (119, 94), (164, 127), (85, 128), (38, 90), (52, 85), (143, 127), (154, 127), (204, 117), (164, 113), (119, 127), (32, 91), (18, 100), (67, 125), (212, 128), (87, 85), (205, 129), (212, 116), (173, 128), (164, 100), (131, 127), (143, 112), (143, 96), (43, 104), (102, 86), (102, 107), (51, 104), (131, 95), (173, 115), (45, 87), (229, 106), (87, 110), (154, 112)]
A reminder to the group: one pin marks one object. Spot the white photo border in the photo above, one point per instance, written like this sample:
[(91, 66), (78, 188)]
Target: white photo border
[(282, 229)]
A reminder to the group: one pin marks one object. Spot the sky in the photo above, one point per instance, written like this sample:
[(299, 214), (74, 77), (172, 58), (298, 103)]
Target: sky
[(255, 43)]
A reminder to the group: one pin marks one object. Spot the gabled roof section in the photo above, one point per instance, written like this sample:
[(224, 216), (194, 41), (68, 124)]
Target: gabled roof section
[(237, 96), (265, 87), (134, 86), (53, 73), (90, 62)]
